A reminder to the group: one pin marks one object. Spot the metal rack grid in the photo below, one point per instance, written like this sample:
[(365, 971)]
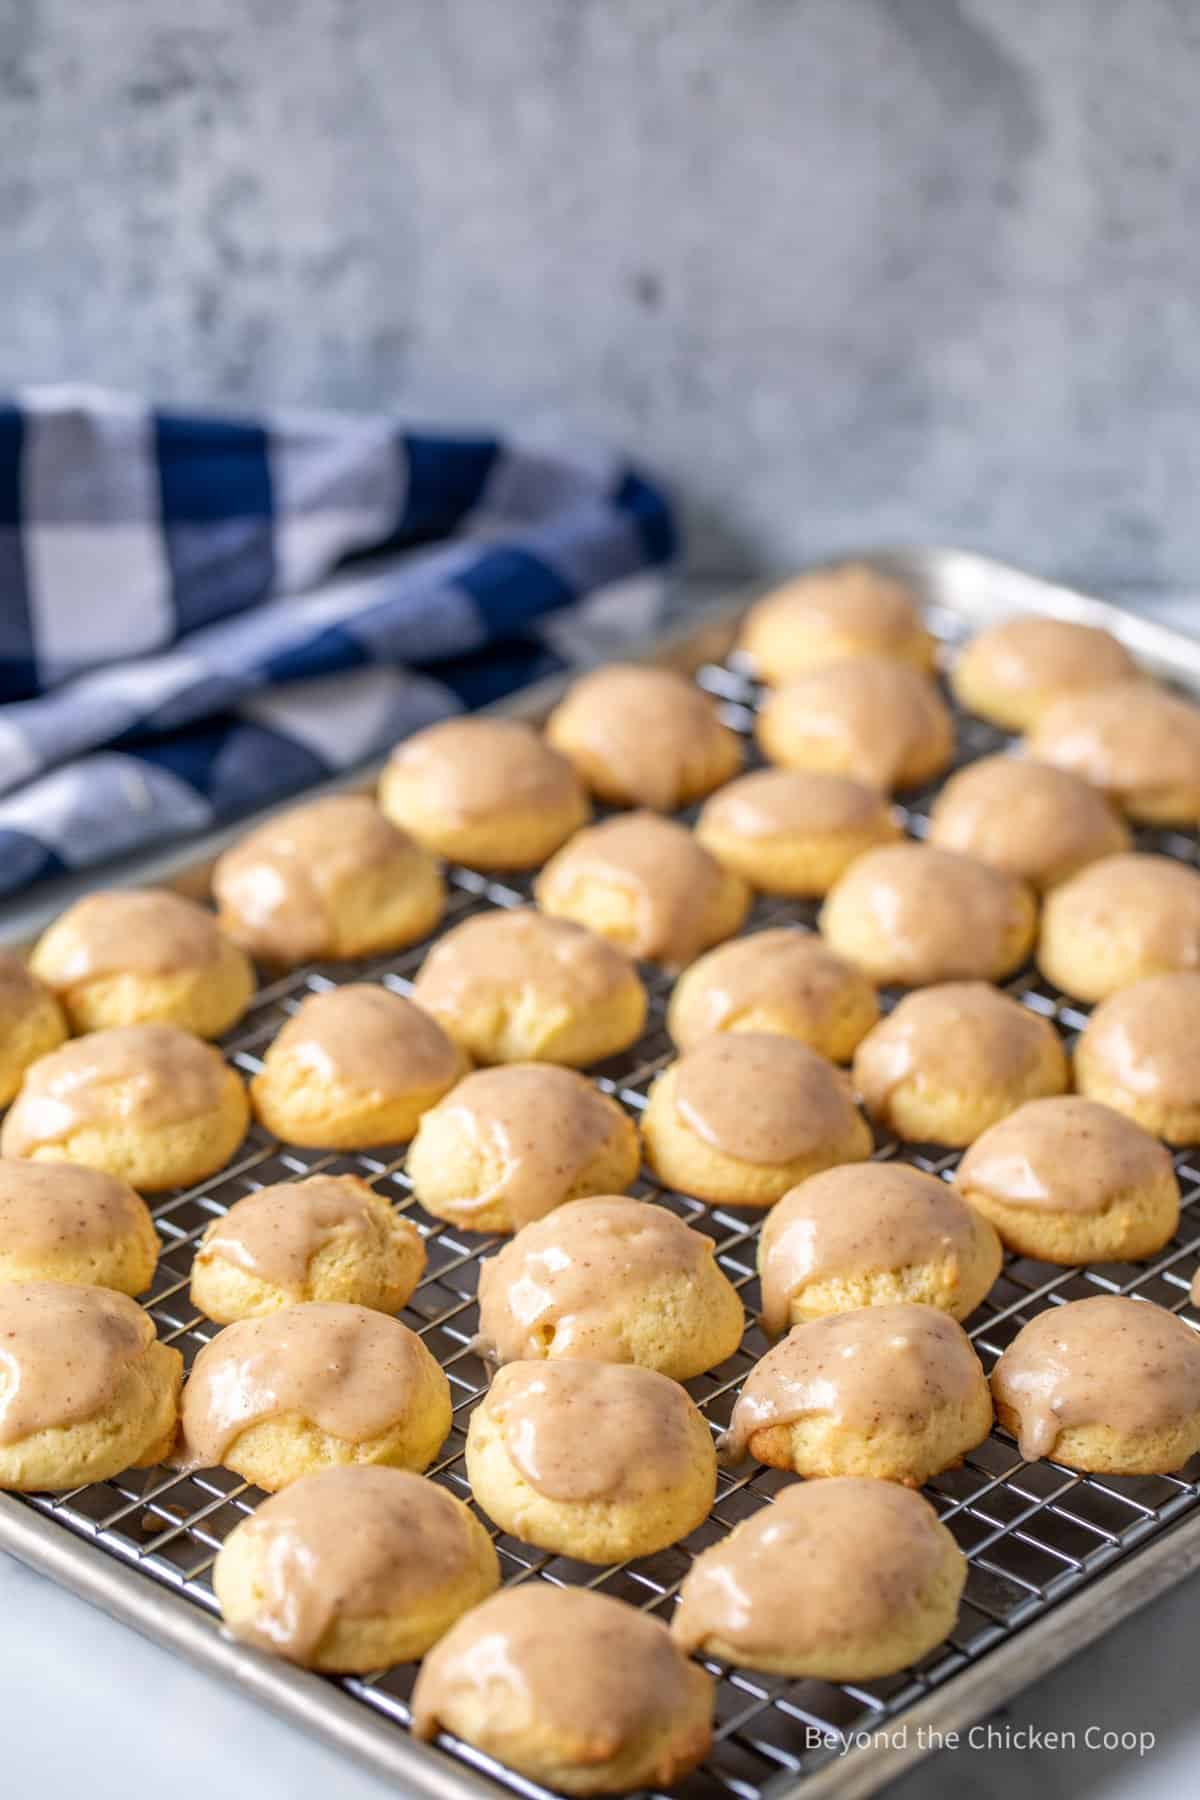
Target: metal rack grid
[(1033, 1534)]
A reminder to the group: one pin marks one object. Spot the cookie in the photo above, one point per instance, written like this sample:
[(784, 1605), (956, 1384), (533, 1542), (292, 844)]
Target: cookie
[(577, 1691), (951, 1060), (794, 831), (610, 1279), (353, 1067), (872, 1234), (743, 1117), (647, 885), (487, 792), (1038, 823), (838, 1580), (149, 1104), (353, 1569), (1136, 742), (1069, 1181), (89, 1390), (60, 1222), (515, 986), (1110, 1385), (330, 1237), (784, 981), (895, 1393), (143, 957), (827, 615), (327, 881), (597, 1461), (1015, 670), (509, 1144), (644, 737), (31, 1023), (909, 915), (313, 1387), (1137, 1053), (876, 720), (1118, 921)]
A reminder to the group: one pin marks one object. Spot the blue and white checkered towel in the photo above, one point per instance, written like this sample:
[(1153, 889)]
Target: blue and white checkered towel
[(176, 649)]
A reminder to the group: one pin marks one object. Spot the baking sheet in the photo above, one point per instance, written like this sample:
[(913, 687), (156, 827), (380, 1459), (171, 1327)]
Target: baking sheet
[(1055, 1557)]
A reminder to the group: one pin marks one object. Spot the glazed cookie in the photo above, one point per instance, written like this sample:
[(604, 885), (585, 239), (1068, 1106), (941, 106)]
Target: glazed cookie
[(510, 1144), (794, 831), (577, 1691), (645, 884), (893, 1392), (951, 1060), (1137, 742), (830, 614), (31, 1023), (1070, 1181), (593, 1460), (839, 1580), (644, 737), (149, 1104), (311, 1387), (488, 792), (353, 1569), (909, 915), (744, 1116), (88, 1390), (1014, 671), (328, 1238), (784, 981), (1137, 1053), (514, 986), (144, 957), (869, 718), (872, 1234), (1035, 822), (354, 1066), (1110, 1385), (1118, 921), (59, 1222), (610, 1279), (326, 881)]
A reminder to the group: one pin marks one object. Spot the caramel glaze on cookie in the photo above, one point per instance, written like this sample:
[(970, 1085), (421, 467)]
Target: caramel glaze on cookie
[(644, 737), (852, 1366), (577, 1690), (910, 914), (349, 1547), (67, 1349), (1137, 1053), (332, 878), (1136, 741), (784, 981), (1108, 1374), (646, 883), (350, 1371), (870, 1226), (1035, 822)]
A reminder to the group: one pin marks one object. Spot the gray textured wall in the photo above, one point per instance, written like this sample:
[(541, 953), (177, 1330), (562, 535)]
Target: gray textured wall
[(846, 269)]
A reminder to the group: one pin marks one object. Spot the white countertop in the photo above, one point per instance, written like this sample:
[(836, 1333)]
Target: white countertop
[(90, 1708)]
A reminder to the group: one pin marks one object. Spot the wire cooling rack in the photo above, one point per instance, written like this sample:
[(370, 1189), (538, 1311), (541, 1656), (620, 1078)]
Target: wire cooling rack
[(1034, 1534)]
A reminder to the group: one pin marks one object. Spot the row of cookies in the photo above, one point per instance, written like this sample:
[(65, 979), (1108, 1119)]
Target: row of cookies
[(826, 641), (741, 1117)]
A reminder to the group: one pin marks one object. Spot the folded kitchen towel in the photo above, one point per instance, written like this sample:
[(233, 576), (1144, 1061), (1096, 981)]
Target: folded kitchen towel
[(201, 615)]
